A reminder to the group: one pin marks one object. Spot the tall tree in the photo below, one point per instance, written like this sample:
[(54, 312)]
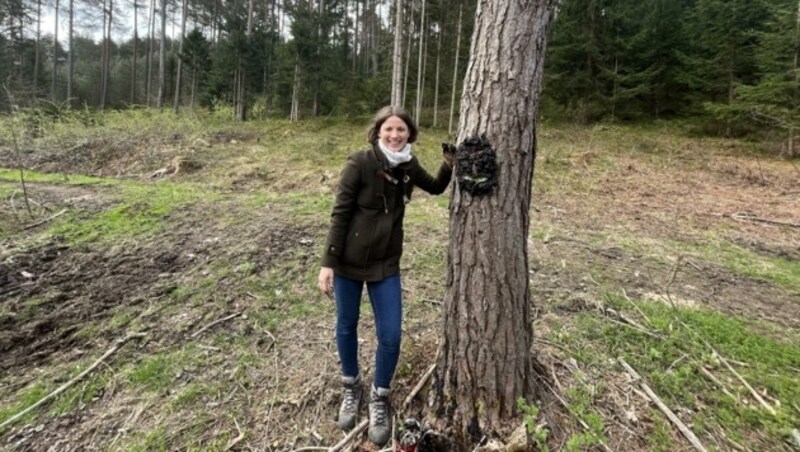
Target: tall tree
[(455, 72), (55, 54), (397, 56), (71, 57), (37, 57), (420, 72), (486, 361), (135, 49), (179, 74), (162, 58)]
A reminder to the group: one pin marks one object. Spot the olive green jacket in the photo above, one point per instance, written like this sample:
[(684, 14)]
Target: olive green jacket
[(365, 240)]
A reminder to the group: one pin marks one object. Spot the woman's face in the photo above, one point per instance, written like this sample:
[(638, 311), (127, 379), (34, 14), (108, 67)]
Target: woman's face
[(394, 134)]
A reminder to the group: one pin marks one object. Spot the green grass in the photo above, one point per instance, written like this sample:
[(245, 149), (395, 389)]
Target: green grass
[(670, 365), (143, 211), (12, 176), (28, 397)]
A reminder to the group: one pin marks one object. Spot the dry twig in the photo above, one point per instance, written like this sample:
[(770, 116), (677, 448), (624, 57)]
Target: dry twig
[(41, 222), (76, 379), (566, 407), (419, 386), (711, 377), (353, 433), (236, 440), (214, 323), (738, 376), (664, 408), (742, 216)]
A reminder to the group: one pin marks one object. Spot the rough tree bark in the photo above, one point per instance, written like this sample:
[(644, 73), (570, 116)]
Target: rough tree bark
[(486, 361)]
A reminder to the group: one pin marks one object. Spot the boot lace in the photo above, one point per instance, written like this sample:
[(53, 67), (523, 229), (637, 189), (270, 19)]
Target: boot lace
[(380, 408), (350, 397)]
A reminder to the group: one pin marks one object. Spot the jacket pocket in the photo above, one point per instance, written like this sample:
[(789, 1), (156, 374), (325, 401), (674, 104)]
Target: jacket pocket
[(359, 237)]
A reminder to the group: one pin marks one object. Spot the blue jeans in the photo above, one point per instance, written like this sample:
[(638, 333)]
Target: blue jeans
[(387, 306)]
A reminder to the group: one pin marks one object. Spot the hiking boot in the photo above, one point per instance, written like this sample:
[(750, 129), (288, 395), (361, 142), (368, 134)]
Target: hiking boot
[(380, 429), (351, 401)]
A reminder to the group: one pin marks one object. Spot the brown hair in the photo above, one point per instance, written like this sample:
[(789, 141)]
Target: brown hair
[(385, 113)]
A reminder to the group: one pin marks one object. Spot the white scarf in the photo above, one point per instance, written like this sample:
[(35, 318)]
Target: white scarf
[(396, 158)]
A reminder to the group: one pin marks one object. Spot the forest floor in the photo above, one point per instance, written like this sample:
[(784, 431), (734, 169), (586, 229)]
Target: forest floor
[(677, 254)]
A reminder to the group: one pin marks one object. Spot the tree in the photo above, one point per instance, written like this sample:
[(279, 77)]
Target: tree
[(162, 58), (178, 78), (486, 362), (774, 100), (397, 56)]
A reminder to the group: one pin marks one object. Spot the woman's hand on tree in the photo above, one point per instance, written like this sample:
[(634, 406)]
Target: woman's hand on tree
[(325, 281), (449, 154)]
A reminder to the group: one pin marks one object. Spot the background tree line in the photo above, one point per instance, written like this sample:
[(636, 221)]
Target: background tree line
[(731, 63)]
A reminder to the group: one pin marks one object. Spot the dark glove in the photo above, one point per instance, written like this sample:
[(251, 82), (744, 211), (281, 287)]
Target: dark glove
[(449, 154)]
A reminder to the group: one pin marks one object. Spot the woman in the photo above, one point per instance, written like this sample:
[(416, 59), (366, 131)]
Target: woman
[(364, 246)]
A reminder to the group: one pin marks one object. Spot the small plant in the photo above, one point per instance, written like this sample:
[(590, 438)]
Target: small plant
[(538, 432)]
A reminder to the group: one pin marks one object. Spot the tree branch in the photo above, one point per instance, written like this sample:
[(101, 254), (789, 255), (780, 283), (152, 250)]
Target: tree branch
[(76, 379)]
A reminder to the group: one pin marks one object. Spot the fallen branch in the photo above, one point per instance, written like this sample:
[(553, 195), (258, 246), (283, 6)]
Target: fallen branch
[(741, 216), (353, 433), (76, 379), (741, 379), (644, 316), (41, 222), (236, 440), (628, 323), (214, 323), (796, 436), (418, 387), (664, 408), (711, 377)]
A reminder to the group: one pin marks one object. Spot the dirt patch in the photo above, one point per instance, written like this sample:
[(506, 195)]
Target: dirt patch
[(52, 292)]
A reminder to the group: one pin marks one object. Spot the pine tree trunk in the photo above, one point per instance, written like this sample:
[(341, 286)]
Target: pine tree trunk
[(295, 113), (107, 68), (102, 93), (241, 98), (397, 56), (486, 361), (149, 61), (356, 42), (455, 73), (194, 87), (436, 85), (408, 53), (71, 57), (135, 49), (162, 58), (373, 42), (796, 70), (418, 105), (55, 55), (37, 52), (179, 76)]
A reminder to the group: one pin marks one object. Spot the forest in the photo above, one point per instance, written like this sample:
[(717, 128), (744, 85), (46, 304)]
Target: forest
[(729, 65)]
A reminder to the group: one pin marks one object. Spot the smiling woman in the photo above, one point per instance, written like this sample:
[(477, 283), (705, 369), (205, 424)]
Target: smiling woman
[(364, 245)]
